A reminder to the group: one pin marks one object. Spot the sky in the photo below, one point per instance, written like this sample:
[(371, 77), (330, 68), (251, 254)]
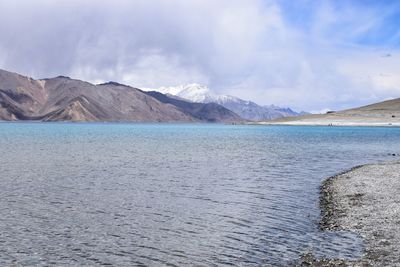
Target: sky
[(306, 54)]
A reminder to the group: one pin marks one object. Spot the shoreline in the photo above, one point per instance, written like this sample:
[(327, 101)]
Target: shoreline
[(377, 117), (365, 200), (393, 125), (383, 125), (329, 123)]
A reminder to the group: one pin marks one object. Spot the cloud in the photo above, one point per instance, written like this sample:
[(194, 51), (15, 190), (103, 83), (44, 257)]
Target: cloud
[(304, 54)]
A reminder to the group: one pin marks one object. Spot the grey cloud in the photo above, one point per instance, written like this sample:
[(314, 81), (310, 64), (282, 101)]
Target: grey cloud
[(246, 48)]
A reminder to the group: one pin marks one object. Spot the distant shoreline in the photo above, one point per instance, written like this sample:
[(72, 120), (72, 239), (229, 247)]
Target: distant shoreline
[(334, 124), (383, 114), (334, 120), (119, 122), (396, 125)]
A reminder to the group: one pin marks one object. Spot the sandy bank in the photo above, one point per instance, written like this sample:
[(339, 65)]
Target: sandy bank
[(334, 123), (337, 119), (366, 200), (386, 113)]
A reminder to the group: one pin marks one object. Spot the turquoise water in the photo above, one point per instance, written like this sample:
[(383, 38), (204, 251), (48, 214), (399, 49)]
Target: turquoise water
[(174, 195)]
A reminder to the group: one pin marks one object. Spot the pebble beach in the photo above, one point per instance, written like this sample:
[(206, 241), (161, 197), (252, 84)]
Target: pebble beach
[(365, 200)]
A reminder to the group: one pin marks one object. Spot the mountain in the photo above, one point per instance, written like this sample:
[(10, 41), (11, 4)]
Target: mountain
[(386, 113), (207, 111), (388, 108), (65, 99), (245, 109)]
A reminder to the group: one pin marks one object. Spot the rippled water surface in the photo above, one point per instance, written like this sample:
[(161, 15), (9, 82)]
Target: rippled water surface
[(177, 195)]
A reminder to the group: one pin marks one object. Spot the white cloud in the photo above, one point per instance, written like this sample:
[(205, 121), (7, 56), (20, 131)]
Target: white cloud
[(250, 48)]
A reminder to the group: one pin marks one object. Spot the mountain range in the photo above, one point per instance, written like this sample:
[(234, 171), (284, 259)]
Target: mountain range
[(65, 99), (246, 109)]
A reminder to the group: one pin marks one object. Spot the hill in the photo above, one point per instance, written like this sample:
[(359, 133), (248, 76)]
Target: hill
[(386, 113), (65, 99)]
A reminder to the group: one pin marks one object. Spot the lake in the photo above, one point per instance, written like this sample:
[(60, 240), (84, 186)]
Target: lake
[(89, 194)]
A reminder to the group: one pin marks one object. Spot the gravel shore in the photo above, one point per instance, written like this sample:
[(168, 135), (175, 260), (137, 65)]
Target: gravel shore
[(365, 200)]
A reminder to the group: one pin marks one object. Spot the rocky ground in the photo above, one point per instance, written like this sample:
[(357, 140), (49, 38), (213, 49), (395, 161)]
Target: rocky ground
[(365, 200)]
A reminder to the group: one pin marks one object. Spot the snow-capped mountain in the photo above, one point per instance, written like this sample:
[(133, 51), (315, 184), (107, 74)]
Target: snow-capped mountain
[(246, 109), (193, 92)]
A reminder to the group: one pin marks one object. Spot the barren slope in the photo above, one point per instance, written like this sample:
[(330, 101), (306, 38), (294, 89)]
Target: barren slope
[(65, 99), (386, 113)]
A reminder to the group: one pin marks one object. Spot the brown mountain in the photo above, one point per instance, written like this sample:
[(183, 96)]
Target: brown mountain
[(386, 113), (204, 111), (65, 99)]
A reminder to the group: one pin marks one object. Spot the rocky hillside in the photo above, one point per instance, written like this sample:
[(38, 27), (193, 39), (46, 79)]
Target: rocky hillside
[(65, 99), (204, 111), (245, 109)]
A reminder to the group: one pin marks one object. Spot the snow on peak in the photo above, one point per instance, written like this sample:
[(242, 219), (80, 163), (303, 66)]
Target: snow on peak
[(196, 93), (246, 109)]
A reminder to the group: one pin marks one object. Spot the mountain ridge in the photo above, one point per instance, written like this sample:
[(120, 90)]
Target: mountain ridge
[(246, 109), (65, 99)]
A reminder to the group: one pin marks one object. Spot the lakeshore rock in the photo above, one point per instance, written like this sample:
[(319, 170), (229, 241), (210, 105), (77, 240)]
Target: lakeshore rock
[(365, 200)]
